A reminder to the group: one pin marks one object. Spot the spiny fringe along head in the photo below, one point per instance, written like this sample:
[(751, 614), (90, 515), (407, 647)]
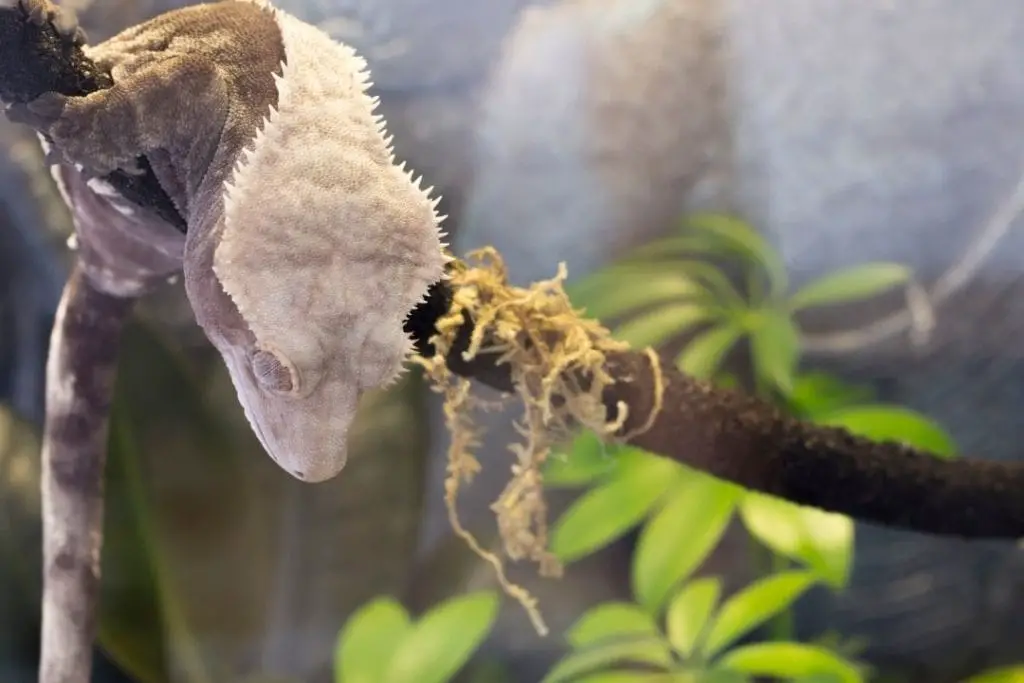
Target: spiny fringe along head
[(328, 245)]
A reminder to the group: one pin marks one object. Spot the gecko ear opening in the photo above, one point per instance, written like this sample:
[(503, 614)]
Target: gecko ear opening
[(275, 373)]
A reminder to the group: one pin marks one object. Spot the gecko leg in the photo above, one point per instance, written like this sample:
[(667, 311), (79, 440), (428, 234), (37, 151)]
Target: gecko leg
[(80, 374), (108, 130)]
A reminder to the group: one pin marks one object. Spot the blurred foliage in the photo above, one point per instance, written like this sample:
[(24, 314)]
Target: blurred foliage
[(1011, 674), (681, 628), (679, 288), (381, 643)]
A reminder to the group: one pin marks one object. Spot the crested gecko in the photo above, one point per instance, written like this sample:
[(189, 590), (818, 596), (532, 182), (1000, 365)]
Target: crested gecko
[(305, 246), (306, 243)]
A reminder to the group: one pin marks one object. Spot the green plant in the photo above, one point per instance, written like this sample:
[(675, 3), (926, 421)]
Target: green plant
[(381, 642), (1010, 674), (673, 286), (680, 628), (680, 285), (689, 634)]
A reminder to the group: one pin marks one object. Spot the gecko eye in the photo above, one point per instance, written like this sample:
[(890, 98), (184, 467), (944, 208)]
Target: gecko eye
[(274, 373)]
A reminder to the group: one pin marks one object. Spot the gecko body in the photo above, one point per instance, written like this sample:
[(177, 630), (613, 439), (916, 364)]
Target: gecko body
[(307, 244)]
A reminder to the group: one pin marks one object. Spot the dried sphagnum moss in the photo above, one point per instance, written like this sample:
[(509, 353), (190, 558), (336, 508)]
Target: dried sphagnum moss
[(548, 348)]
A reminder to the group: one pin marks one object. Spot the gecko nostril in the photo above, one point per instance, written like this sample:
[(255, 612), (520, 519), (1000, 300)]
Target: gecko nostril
[(298, 474)]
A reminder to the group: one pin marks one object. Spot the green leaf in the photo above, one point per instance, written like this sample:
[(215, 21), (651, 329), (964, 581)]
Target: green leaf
[(722, 290), (827, 546), (739, 237), (893, 423), (753, 606), (705, 353), (851, 284), (608, 510), (443, 640), (610, 620), (821, 540), (588, 458), (775, 347), (680, 536), (789, 660), (1011, 674), (598, 659), (617, 623), (628, 677), (662, 324), (816, 393), (627, 287), (674, 245), (689, 611), (367, 642)]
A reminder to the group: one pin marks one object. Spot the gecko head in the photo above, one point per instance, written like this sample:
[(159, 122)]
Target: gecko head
[(325, 246), (299, 405)]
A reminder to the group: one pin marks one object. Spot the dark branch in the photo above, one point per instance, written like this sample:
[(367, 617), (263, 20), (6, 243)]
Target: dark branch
[(750, 442), (727, 434)]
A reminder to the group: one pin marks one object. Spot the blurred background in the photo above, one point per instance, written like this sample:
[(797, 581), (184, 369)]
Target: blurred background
[(838, 132)]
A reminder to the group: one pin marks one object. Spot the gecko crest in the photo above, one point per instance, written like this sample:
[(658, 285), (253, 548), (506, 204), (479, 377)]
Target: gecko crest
[(318, 195)]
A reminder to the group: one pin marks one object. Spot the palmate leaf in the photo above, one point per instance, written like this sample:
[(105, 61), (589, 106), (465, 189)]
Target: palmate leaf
[(851, 284), (369, 640), (790, 661), (662, 325), (600, 659), (742, 239), (680, 535), (440, 642), (689, 612), (627, 287), (587, 458), (718, 235), (753, 606), (893, 423), (610, 620), (815, 394), (614, 506), (704, 354), (823, 541), (775, 346)]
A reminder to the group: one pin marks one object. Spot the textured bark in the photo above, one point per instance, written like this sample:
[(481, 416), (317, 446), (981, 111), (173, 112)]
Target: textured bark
[(752, 443)]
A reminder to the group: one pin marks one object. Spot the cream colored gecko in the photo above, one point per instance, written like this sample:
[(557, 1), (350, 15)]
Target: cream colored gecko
[(307, 244)]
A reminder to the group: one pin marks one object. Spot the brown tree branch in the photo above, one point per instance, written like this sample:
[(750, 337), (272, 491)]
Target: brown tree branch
[(752, 443)]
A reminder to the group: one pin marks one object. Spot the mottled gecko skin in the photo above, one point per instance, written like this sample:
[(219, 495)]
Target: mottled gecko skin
[(307, 244)]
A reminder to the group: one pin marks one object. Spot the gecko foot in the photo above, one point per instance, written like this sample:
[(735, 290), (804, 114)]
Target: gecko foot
[(71, 125), (40, 113)]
